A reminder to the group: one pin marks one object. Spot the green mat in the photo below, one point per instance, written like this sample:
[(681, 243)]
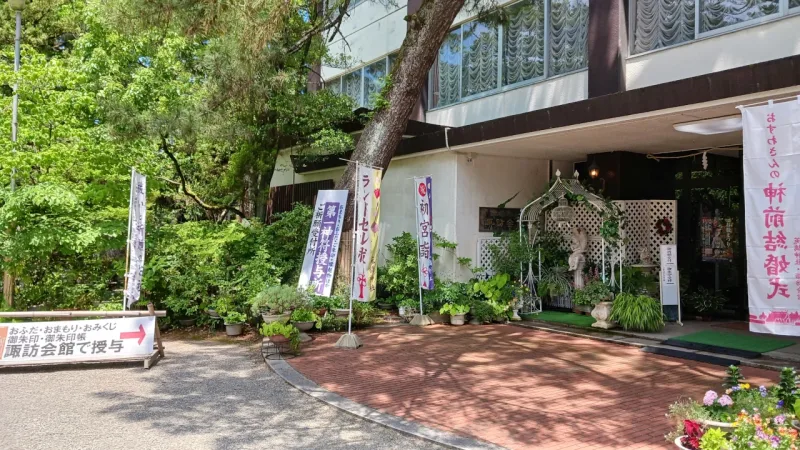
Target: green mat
[(567, 318), (749, 342)]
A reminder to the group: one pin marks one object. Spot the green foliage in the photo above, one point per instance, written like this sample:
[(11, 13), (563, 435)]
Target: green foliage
[(555, 281), (733, 376), (329, 303), (279, 300), (454, 309), (515, 252), (286, 330), (497, 288), (481, 311), (703, 301), (714, 439), (594, 293), (234, 317), (285, 241), (637, 313), (787, 386), (307, 315), (401, 276), (333, 323), (635, 281), (445, 292), (364, 313), (684, 409)]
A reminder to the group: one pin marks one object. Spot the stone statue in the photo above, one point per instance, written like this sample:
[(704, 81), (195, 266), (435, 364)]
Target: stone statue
[(579, 244), (644, 256)]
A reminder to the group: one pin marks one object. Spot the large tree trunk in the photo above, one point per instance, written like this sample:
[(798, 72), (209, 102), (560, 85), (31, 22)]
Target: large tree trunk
[(427, 29)]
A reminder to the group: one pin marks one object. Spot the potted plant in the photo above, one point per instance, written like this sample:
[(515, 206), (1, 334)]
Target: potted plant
[(637, 313), (281, 333), (234, 321), (305, 319), (480, 311), (457, 312), (277, 303), (703, 302), (407, 307)]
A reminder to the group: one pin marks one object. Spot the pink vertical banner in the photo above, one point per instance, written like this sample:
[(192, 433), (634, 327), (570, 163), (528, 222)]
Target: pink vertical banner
[(368, 212), (424, 206), (772, 216)]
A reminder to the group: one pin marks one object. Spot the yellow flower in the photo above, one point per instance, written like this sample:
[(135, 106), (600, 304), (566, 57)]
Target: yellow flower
[(728, 391), (744, 385)]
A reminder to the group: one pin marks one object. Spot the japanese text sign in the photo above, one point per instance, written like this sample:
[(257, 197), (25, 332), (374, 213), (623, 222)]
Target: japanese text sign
[(669, 275), (76, 340), (322, 248), (368, 211), (136, 233), (424, 207), (771, 185)]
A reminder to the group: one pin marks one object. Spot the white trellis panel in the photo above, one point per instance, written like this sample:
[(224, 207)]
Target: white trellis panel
[(484, 257), (640, 228)]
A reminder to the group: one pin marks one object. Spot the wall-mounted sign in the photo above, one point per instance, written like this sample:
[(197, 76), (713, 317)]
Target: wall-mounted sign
[(496, 220), (76, 340), (718, 236)]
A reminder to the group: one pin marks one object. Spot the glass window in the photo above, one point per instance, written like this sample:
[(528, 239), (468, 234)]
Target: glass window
[(351, 86), (334, 85), (373, 81), (716, 14), (661, 23), (569, 24), (445, 79), (479, 68), (393, 58), (794, 3), (523, 42)]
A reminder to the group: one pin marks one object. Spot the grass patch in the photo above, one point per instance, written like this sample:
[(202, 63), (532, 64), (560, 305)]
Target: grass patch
[(566, 318), (749, 342)]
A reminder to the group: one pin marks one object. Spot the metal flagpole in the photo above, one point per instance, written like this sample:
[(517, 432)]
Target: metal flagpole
[(128, 244)]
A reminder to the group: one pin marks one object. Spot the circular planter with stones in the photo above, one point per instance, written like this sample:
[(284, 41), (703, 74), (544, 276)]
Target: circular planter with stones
[(269, 318), (341, 312), (233, 329), (304, 326), (457, 319)]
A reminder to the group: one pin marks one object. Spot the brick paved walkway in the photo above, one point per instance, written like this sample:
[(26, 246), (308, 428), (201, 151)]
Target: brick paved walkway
[(516, 387)]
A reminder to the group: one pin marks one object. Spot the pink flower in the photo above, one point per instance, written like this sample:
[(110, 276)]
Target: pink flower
[(725, 401), (709, 398)]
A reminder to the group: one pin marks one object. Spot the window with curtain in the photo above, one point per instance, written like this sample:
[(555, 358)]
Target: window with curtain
[(479, 63), (794, 3), (334, 85), (373, 81), (569, 27), (661, 23), (351, 86), (445, 76), (716, 14), (523, 42), (391, 60)]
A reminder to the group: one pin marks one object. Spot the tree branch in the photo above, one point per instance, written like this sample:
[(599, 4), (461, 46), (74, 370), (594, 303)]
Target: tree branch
[(187, 191), (321, 27)]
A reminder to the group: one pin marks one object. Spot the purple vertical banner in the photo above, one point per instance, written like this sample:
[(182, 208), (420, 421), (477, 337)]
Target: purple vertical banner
[(322, 249), (424, 206)]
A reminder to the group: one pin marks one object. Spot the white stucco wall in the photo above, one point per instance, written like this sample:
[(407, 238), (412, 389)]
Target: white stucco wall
[(555, 91), (488, 181), (372, 31), (764, 42), (283, 173)]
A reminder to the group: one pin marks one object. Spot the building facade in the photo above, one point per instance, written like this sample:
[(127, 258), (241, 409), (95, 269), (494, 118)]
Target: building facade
[(574, 84)]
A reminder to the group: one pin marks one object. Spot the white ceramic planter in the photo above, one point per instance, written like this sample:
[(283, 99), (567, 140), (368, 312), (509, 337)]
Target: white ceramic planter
[(601, 313), (457, 319), (269, 318), (341, 312), (678, 443), (233, 329), (724, 426), (304, 326)]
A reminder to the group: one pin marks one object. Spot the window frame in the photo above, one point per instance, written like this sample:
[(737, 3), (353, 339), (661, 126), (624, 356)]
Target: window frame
[(784, 12), (361, 102), (547, 76)]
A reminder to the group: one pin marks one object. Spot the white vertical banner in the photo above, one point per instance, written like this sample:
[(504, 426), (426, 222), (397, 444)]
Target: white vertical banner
[(670, 291), (322, 248), (136, 234), (424, 207), (367, 225), (772, 216)]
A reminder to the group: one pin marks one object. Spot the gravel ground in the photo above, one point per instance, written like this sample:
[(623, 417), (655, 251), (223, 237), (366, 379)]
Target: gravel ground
[(203, 395)]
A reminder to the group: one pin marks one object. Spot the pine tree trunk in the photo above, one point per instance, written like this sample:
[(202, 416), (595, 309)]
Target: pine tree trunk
[(427, 29)]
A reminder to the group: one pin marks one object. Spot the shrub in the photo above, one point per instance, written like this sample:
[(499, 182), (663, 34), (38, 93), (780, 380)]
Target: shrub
[(401, 277), (233, 318), (594, 293), (279, 300), (497, 288), (703, 301), (286, 330), (481, 311), (454, 309), (637, 313)]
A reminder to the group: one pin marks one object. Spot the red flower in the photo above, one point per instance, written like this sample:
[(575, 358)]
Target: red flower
[(693, 431)]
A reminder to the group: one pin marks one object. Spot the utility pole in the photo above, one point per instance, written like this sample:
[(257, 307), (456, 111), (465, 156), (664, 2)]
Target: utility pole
[(17, 6)]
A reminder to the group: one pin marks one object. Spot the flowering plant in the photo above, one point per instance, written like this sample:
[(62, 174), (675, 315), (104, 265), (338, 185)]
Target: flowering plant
[(693, 432), (758, 433)]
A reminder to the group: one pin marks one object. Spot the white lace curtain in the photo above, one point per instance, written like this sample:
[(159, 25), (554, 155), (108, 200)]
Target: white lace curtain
[(351, 86), (523, 43), (373, 81), (662, 23), (446, 71), (569, 26), (479, 68)]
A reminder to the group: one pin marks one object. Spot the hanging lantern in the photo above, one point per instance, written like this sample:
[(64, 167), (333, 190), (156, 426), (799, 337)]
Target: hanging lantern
[(563, 213)]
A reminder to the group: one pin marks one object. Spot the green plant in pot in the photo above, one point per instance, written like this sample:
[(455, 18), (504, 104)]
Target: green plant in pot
[(637, 312), (703, 302), (408, 306), (457, 312), (555, 281), (278, 302), (305, 319), (480, 311), (234, 321), (281, 333), (587, 299)]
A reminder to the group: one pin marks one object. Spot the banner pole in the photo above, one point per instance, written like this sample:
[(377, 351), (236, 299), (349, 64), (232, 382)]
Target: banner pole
[(353, 252), (128, 246)]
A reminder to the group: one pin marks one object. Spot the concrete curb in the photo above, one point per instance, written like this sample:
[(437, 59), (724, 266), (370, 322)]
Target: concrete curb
[(296, 379), (630, 340)]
